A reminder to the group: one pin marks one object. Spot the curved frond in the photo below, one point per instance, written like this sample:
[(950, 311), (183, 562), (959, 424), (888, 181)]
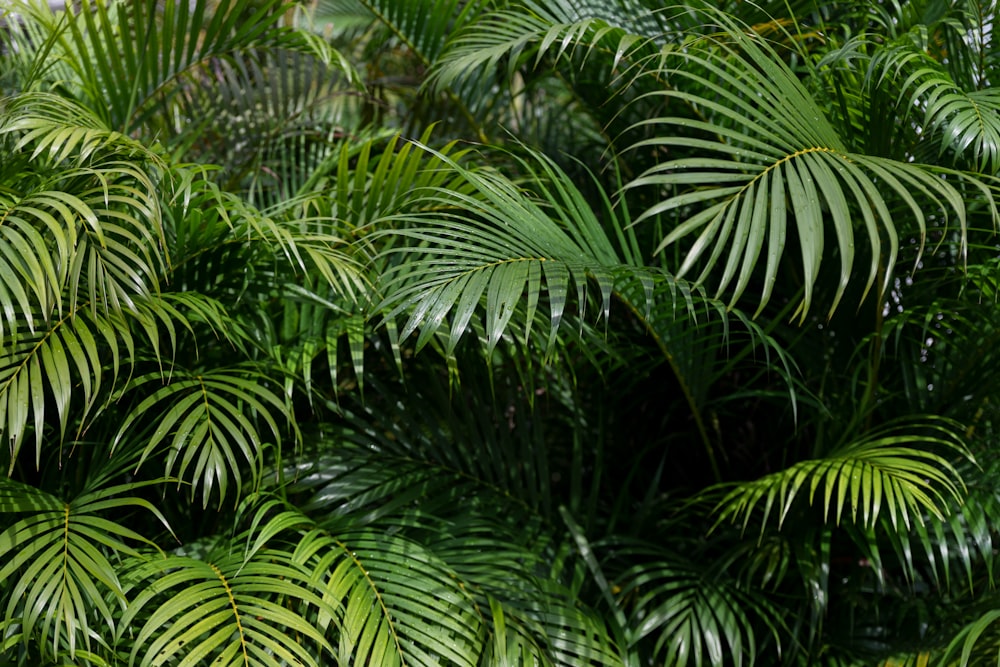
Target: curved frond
[(497, 244), (394, 602), (60, 563), (48, 368), (689, 618), (93, 237), (208, 426), (228, 609), (772, 168), (967, 122), (976, 644), (888, 471)]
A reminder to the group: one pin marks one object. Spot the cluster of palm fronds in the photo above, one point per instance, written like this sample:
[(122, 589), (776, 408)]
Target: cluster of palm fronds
[(489, 332)]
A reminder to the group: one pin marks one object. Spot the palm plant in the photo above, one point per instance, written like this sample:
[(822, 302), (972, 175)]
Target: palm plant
[(292, 373)]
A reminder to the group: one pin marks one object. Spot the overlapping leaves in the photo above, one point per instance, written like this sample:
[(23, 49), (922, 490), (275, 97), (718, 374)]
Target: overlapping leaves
[(210, 426), (60, 565), (768, 160), (889, 471)]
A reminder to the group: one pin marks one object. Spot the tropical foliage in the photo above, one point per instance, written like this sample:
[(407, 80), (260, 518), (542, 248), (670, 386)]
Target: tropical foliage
[(498, 332)]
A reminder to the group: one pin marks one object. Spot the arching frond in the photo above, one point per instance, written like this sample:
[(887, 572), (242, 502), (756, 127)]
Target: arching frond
[(965, 122), (887, 471), (61, 564), (48, 369), (91, 234), (499, 244), (767, 159), (230, 609), (690, 618), (208, 426), (269, 116), (394, 602)]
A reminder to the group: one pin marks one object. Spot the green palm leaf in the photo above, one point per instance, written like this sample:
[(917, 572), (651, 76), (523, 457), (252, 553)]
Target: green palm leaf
[(60, 564), (47, 369), (888, 471), (424, 25), (493, 246), (689, 617), (230, 609), (768, 160), (965, 120), (513, 36), (129, 58), (975, 644), (210, 424), (394, 602), (90, 238)]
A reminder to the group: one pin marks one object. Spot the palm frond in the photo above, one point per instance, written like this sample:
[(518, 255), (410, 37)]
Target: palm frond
[(212, 425), (689, 618), (228, 608), (66, 360), (887, 471), (965, 121), (61, 564), (424, 25), (168, 46), (779, 159), (498, 244), (90, 230), (512, 37)]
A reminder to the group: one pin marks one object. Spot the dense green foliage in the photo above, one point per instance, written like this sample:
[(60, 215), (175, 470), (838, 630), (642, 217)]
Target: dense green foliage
[(489, 332)]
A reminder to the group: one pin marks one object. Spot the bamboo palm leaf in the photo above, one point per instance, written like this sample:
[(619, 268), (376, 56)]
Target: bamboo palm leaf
[(230, 609), (770, 158), (886, 472), (395, 603), (424, 25), (67, 367), (529, 616), (690, 618), (89, 239), (210, 425), (965, 120), (60, 564), (129, 57), (513, 36), (509, 246)]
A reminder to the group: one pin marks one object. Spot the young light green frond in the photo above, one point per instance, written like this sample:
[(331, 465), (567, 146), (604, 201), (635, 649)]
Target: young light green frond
[(393, 601), (366, 180), (227, 609), (210, 427), (888, 472), (61, 565), (779, 162)]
